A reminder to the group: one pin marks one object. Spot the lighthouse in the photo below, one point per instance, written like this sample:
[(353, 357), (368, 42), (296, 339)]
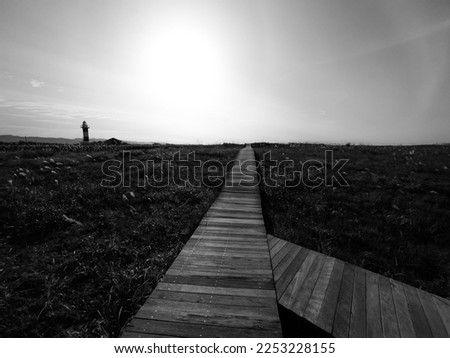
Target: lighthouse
[(85, 132)]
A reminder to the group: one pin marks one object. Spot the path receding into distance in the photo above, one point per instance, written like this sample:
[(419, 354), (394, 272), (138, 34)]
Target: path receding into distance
[(227, 283), (221, 284)]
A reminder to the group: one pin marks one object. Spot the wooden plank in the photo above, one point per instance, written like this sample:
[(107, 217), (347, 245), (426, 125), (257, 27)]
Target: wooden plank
[(257, 261), (220, 251), (238, 230), (236, 207), (358, 313), (234, 291), (212, 234), (283, 281), (244, 282), (221, 283), (247, 202), (233, 212), (194, 313), (435, 321), (211, 298), (257, 246), (315, 301), (289, 295), (225, 257), (272, 240), (132, 334), (230, 238), (341, 324), (143, 327), (281, 255), (228, 214), (388, 314), (259, 264), (252, 210), (284, 264), (230, 251), (328, 309), (228, 274), (404, 320), (224, 267), (418, 317), (367, 304), (225, 210), (444, 311), (218, 257), (276, 248), (235, 246), (233, 222), (373, 319), (225, 222), (198, 266), (305, 292), (248, 205), (154, 306), (232, 243)]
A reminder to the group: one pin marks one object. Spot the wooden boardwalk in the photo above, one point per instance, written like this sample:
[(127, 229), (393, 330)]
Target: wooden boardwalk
[(348, 301), (221, 284)]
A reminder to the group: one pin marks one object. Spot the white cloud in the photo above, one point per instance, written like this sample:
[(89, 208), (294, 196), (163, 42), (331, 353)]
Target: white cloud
[(36, 83), (4, 102), (63, 111)]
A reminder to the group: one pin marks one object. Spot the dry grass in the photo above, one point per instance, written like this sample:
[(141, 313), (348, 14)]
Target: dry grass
[(393, 219), (77, 259)]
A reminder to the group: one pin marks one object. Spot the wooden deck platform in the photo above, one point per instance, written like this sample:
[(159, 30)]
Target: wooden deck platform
[(221, 284), (348, 301)]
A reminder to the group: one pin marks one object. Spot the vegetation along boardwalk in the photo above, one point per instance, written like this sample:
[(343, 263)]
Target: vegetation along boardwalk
[(348, 301), (228, 278), (221, 284)]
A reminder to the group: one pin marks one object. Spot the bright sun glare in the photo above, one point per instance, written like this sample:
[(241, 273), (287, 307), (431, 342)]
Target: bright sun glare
[(183, 67)]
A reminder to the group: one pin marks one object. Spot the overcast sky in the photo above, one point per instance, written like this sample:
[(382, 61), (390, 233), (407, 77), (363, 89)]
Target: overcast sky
[(336, 71)]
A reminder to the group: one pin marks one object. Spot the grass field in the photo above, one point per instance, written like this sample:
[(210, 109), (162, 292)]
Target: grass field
[(78, 259), (393, 218)]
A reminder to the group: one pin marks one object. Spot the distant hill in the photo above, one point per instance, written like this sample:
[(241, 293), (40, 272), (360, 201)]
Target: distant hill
[(15, 139)]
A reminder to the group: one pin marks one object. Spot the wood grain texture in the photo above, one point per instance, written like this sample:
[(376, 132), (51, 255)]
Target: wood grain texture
[(417, 313), (434, 318), (349, 301), (291, 292), (389, 319), (308, 284), (221, 284), (404, 320), (315, 301), (373, 309), (358, 313), (328, 310), (149, 328), (284, 278), (341, 324), (444, 311)]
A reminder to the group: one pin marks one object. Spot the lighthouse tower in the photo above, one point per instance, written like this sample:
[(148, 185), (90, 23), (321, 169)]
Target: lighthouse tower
[(85, 132)]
